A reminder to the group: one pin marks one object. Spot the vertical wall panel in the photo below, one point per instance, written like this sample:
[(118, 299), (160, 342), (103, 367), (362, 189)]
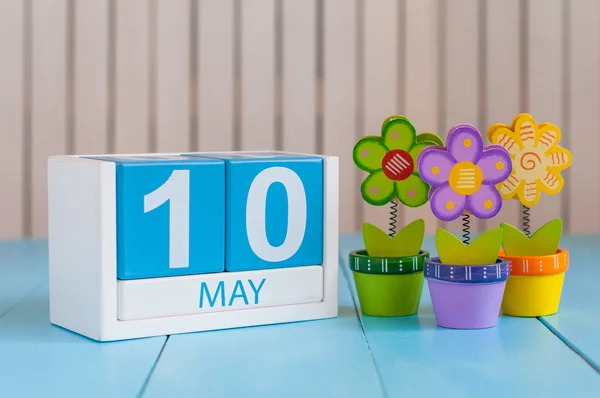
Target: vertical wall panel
[(49, 112), (215, 75), (132, 76), (421, 94), (545, 70), (502, 81), (172, 75), (11, 117), (581, 134), (381, 85), (91, 76), (377, 62), (258, 75), (462, 72), (339, 123), (299, 74)]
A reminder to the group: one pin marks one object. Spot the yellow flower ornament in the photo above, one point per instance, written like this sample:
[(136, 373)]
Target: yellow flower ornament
[(536, 156)]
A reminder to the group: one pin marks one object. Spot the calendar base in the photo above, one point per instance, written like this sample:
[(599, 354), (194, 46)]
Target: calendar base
[(197, 294)]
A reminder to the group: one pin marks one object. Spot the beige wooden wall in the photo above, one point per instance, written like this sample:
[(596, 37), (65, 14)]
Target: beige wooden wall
[(108, 76)]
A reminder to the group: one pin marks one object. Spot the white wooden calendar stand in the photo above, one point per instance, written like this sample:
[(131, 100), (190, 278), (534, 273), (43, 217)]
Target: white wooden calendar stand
[(84, 292)]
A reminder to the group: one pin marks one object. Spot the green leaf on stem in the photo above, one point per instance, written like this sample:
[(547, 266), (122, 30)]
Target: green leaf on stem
[(406, 242), (543, 242), (484, 249)]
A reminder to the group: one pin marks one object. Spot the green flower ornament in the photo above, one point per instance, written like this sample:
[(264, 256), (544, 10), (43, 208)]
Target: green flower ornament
[(391, 161)]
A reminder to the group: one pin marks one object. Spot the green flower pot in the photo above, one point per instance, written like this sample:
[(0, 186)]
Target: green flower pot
[(388, 286)]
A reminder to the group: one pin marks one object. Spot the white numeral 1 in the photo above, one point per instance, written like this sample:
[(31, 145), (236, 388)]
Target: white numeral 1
[(176, 190), (256, 212)]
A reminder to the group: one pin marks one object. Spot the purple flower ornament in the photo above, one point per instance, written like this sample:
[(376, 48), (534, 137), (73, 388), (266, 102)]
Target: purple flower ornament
[(463, 174)]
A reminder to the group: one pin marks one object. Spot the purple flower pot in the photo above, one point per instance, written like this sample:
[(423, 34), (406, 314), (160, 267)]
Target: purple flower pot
[(466, 296)]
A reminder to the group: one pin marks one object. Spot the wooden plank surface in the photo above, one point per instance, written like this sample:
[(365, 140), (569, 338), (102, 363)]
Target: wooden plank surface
[(65, 364), (258, 75), (545, 85), (49, 101), (582, 187), (339, 103), (91, 62), (417, 358), (325, 358), (397, 356), (215, 75), (12, 96), (172, 76), (61, 362), (299, 76), (421, 82), (578, 317), (381, 85), (23, 268), (503, 84), (132, 75)]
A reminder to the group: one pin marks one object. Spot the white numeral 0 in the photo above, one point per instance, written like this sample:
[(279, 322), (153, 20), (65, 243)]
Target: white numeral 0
[(177, 191), (256, 211)]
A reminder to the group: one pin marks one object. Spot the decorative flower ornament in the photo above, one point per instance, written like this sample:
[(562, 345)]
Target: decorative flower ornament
[(537, 158), (464, 174), (391, 161)]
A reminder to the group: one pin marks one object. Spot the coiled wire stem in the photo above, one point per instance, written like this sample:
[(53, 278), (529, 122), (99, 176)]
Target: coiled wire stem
[(466, 218), (525, 220), (393, 218)]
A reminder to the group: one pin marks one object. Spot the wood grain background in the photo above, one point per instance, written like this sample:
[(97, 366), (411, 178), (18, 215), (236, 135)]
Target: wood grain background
[(108, 76)]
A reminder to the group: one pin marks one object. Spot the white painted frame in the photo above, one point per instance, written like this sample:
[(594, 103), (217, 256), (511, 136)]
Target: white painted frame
[(83, 259)]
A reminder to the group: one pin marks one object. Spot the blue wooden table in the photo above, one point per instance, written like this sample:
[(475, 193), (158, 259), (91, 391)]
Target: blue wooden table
[(349, 356)]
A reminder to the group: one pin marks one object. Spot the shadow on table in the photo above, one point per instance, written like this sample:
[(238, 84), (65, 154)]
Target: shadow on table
[(423, 320), (29, 322), (346, 311)]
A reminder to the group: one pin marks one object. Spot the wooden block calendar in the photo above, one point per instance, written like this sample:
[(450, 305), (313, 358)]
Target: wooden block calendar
[(143, 245)]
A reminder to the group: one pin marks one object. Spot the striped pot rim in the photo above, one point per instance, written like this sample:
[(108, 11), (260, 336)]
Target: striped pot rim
[(360, 261), (538, 265), (486, 273)]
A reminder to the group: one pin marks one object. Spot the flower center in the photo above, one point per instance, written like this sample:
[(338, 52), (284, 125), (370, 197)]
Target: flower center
[(530, 160), (530, 164), (465, 178), (398, 165)]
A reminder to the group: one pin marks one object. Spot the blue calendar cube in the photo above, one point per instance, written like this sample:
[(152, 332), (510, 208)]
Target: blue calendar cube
[(170, 215), (274, 210)]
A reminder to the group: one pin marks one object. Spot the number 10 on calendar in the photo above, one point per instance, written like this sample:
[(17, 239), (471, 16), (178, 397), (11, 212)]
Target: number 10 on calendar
[(214, 214), (175, 193)]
